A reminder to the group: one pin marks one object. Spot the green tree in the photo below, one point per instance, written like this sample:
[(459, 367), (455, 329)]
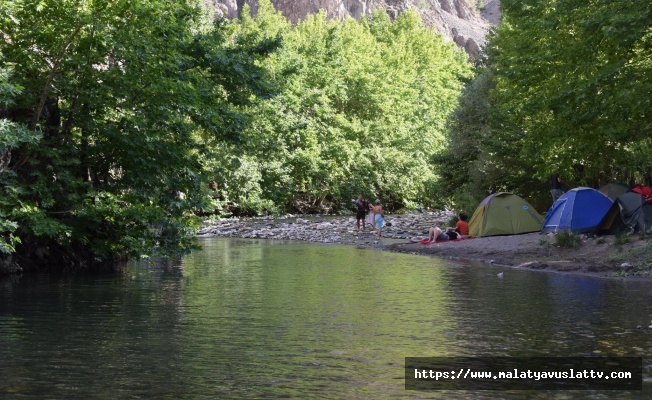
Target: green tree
[(361, 108), (12, 136), (568, 90), (572, 87), (463, 163), (122, 91)]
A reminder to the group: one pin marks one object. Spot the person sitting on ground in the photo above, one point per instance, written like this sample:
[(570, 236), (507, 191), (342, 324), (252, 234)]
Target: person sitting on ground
[(462, 227), (435, 233), (452, 234), (460, 231)]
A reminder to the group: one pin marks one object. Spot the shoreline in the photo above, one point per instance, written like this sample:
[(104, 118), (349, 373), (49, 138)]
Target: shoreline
[(606, 256), (564, 267)]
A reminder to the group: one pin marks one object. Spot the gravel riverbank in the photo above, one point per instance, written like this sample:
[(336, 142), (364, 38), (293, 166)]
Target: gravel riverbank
[(335, 230), (607, 256)]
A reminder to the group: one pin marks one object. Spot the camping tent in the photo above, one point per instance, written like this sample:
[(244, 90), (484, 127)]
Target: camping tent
[(504, 214), (613, 190), (579, 210), (629, 212)]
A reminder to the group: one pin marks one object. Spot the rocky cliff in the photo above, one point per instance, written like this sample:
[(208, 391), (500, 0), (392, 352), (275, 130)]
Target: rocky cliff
[(462, 21)]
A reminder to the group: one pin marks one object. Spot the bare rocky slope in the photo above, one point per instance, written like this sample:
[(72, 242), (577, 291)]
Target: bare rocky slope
[(462, 21)]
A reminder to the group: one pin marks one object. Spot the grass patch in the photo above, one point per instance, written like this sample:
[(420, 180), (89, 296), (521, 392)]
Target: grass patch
[(546, 245), (641, 270), (640, 256), (621, 239), (601, 241), (568, 240)]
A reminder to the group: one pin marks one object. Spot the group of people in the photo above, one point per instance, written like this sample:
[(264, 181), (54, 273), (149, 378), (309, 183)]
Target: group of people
[(459, 231), (372, 214)]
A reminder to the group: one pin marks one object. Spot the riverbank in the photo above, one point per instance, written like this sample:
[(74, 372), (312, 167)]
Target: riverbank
[(607, 256)]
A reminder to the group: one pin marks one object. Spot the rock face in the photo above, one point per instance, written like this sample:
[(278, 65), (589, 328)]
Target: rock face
[(458, 20)]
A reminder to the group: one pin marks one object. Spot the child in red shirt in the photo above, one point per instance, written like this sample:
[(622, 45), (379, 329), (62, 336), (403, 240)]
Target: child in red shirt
[(462, 227)]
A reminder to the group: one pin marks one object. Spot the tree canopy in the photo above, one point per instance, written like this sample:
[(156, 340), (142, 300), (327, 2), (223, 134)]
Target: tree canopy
[(361, 108), (123, 120), (117, 92), (568, 89)]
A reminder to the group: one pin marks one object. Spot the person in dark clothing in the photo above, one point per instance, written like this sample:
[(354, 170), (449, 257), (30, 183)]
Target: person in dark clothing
[(555, 187), (361, 208)]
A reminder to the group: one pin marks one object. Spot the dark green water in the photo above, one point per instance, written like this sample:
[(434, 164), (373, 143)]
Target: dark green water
[(258, 319)]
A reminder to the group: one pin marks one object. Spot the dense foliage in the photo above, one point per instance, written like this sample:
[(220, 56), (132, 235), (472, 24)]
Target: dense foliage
[(12, 136), (361, 108), (118, 93), (120, 120), (567, 86)]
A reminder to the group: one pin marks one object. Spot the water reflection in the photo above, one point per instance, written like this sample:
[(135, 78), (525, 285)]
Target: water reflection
[(261, 319)]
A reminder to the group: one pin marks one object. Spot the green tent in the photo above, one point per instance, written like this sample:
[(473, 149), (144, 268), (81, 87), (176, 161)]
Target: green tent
[(504, 214)]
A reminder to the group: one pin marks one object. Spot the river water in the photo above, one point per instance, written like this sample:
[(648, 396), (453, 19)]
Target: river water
[(263, 319)]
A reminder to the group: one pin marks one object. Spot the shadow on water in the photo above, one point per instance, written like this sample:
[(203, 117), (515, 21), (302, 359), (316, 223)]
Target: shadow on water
[(273, 319)]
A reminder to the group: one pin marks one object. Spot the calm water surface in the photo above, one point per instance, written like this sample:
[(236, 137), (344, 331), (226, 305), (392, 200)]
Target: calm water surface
[(261, 319)]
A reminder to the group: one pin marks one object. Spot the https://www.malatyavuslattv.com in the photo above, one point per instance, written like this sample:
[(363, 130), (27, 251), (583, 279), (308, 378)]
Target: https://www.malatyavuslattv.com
[(550, 373)]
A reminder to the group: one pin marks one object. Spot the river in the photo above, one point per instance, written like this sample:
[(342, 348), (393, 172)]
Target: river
[(247, 318)]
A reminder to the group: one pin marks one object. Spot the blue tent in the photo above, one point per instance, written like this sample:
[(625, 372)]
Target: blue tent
[(579, 210)]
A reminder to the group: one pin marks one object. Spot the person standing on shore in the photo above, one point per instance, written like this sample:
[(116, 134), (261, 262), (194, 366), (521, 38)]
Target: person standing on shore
[(555, 187), (379, 218), (370, 220), (361, 208)]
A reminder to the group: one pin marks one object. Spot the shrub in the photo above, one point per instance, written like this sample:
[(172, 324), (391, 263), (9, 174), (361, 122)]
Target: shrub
[(621, 239), (568, 240)]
